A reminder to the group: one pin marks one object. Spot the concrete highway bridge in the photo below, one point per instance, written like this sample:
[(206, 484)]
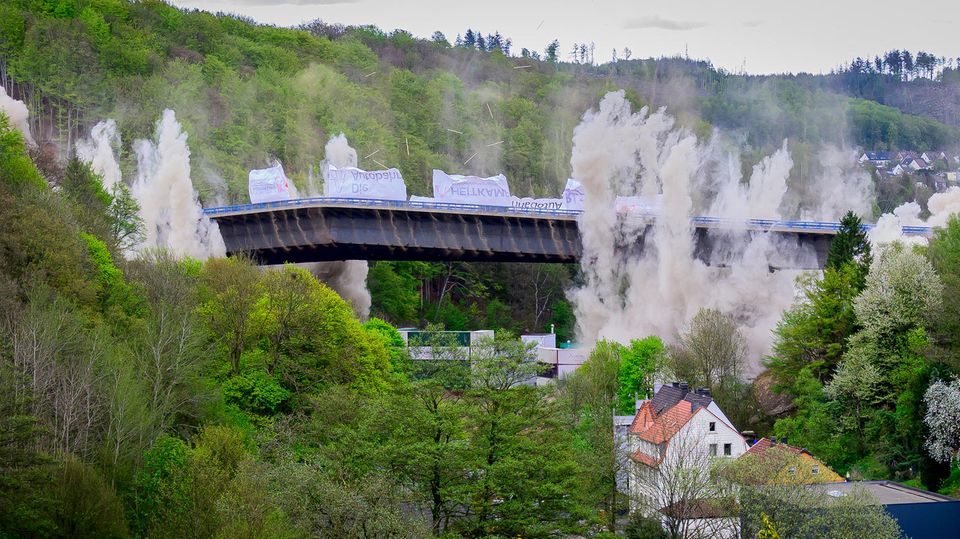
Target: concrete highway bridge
[(326, 229)]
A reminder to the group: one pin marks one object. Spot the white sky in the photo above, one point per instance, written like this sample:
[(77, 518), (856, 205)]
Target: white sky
[(765, 36)]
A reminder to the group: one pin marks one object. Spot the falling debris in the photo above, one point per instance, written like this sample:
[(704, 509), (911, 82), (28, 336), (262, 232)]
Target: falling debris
[(522, 67), (495, 143), (98, 152), (620, 152), (172, 216), (348, 278), (371, 155), (407, 142), (368, 75), (490, 111), (455, 131), (379, 163), (470, 158), (17, 112)]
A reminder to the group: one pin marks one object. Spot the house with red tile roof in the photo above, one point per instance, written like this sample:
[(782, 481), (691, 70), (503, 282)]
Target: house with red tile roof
[(772, 461), (675, 440)]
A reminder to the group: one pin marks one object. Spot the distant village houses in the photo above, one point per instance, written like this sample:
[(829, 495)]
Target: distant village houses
[(935, 169)]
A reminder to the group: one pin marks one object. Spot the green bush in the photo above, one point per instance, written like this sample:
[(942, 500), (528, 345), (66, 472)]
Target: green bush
[(256, 392), (644, 528)]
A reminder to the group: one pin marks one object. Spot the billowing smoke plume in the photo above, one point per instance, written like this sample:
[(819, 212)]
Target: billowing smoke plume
[(172, 215), (339, 153), (98, 152), (889, 227), (348, 278), (843, 186), (658, 291), (17, 112)]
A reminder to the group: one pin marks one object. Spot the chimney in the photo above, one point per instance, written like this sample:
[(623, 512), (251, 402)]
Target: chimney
[(702, 391), (675, 384), (783, 440)]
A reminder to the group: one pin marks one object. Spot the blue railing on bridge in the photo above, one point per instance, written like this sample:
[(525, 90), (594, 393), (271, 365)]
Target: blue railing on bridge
[(753, 224)]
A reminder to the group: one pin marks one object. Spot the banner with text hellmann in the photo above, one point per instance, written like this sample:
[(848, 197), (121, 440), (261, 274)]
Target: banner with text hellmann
[(350, 182), (573, 196), (268, 185), (456, 189)]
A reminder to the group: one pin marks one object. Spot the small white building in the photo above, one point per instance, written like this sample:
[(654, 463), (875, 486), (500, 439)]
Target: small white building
[(674, 441)]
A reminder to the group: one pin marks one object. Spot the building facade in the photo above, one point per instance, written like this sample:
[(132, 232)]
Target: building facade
[(674, 441)]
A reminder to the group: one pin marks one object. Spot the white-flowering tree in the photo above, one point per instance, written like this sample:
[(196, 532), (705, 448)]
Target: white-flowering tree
[(943, 420), (857, 384), (902, 292), (884, 358)]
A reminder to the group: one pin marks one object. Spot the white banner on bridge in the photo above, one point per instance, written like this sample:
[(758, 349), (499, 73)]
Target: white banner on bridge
[(456, 189), (573, 196), (536, 203), (639, 204), (350, 182), (268, 185)]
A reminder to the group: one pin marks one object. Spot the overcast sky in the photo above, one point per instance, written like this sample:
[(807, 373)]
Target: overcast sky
[(764, 36)]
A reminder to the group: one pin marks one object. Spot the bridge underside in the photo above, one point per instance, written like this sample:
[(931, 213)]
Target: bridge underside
[(314, 234)]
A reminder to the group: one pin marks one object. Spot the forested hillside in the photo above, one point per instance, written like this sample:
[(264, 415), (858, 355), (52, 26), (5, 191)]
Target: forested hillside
[(248, 94), (159, 397)]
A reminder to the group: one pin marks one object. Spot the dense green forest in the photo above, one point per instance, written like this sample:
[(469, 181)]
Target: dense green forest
[(159, 397), (174, 397)]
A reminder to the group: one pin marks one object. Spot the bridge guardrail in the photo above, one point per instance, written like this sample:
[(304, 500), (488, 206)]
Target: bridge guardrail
[(754, 224)]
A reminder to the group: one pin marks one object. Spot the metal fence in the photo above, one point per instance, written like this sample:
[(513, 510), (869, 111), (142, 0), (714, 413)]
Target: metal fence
[(710, 222)]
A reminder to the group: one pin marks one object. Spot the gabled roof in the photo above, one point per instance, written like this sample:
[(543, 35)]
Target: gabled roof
[(658, 428), (878, 156), (661, 417), (669, 395), (763, 444), (772, 462)]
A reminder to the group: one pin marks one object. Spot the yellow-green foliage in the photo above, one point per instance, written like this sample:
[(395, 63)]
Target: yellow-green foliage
[(116, 296), (313, 337), (15, 166)]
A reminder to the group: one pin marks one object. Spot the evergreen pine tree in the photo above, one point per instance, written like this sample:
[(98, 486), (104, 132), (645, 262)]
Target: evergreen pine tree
[(850, 246)]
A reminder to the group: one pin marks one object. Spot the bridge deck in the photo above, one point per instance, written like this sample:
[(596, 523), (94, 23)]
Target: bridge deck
[(762, 225), (324, 229)]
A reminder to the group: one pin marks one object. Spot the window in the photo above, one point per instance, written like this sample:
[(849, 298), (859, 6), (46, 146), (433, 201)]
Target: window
[(793, 470), (713, 450), (815, 470), (727, 449), (713, 426)]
